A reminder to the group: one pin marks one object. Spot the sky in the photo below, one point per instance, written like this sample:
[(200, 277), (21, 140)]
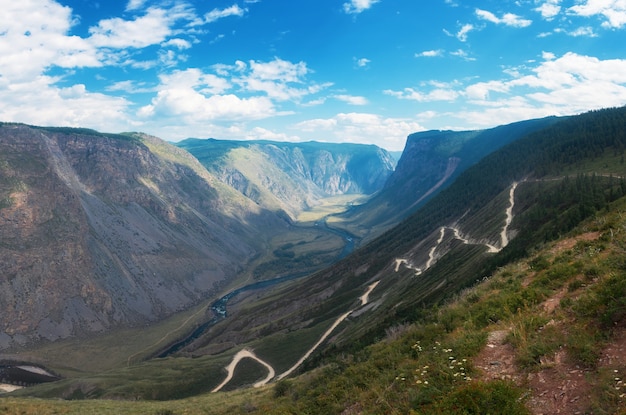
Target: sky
[(361, 71)]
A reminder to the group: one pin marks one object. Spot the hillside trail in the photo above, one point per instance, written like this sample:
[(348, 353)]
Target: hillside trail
[(364, 300), (559, 386), (504, 239), (245, 353)]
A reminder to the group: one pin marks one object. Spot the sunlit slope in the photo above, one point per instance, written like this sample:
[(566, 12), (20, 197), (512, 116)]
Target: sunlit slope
[(293, 177)]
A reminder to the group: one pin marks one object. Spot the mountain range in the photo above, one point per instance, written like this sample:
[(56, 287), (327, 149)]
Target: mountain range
[(461, 209)]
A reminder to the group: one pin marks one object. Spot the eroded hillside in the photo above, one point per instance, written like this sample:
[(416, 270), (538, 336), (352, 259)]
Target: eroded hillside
[(99, 231)]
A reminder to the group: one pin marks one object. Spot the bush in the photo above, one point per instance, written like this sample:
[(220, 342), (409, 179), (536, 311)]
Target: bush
[(497, 397)]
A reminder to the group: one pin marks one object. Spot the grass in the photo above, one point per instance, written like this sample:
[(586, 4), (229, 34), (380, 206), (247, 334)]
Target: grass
[(427, 366), (330, 206)]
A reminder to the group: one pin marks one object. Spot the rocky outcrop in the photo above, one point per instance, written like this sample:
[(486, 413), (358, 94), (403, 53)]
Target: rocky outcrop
[(99, 231)]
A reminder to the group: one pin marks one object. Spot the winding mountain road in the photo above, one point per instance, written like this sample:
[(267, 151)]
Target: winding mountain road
[(245, 353), (504, 239), (230, 369)]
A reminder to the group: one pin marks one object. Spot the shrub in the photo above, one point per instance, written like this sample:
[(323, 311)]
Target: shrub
[(497, 397)]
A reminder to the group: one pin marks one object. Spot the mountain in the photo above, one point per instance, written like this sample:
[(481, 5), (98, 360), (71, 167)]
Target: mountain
[(498, 211), (293, 177), (522, 254), (431, 161), (100, 231)]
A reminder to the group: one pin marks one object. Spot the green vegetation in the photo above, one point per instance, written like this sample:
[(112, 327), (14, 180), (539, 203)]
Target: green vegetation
[(556, 294)]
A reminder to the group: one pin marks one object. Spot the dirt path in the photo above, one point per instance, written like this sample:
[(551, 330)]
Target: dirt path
[(243, 354), (431, 254), (504, 238), (364, 300)]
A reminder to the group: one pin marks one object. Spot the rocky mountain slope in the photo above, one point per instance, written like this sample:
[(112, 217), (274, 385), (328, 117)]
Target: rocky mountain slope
[(293, 176), (99, 231)]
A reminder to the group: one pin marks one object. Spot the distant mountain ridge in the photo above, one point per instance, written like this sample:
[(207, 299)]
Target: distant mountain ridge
[(293, 176), (431, 160)]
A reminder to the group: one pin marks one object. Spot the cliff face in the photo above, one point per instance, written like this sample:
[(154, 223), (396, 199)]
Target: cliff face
[(98, 231), (293, 176)]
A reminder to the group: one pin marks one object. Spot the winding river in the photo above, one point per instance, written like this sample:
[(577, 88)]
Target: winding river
[(219, 306)]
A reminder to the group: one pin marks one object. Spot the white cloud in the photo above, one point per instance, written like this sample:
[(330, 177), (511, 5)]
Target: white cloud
[(39, 102), (279, 79), (363, 62), (437, 94), (508, 19), (217, 14), (364, 128), (564, 85), (613, 10), (460, 53), (239, 92), (151, 29), (195, 96), (134, 4), (465, 29), (178, 43), (550, 9), (585, 31), (358, 6), (351, 99), (35, 37), (560, 86), (430, 53)]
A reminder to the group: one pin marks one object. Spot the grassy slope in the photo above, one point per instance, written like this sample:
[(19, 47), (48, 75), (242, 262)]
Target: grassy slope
[(428, 366)]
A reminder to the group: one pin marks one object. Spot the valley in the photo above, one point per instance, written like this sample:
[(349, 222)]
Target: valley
[(332, 315)]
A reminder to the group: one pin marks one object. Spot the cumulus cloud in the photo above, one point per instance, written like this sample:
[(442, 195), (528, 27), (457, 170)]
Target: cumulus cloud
[(569, 84), (135, 4), (40, 102), (358, 6), (278, 79), (557, 85), (240, 92), (508, 19), (549, 9), (32, 44), (362, 128), (614, 11)]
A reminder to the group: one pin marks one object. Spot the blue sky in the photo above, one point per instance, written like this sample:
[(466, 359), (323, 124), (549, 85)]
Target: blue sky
[(368, 71)]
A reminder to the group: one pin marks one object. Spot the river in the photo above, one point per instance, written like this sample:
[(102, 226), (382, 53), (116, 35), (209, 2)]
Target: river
[(219, 306)]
